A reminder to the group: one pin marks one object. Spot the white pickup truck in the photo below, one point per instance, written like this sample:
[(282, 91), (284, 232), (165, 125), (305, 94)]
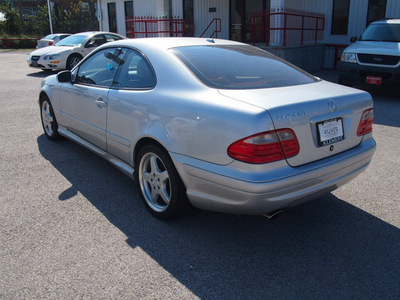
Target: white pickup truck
[(373, 58)]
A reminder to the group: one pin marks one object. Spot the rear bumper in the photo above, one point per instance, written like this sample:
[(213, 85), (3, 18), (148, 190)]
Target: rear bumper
[(357, 74), (224, 192)]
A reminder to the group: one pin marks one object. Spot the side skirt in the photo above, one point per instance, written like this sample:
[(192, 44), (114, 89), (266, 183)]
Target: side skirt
[(119, 164)]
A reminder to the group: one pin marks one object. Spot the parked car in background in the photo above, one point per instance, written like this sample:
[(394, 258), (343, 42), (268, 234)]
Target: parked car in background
[(51, 39), (219, 124), (67, 53), (373, 58)]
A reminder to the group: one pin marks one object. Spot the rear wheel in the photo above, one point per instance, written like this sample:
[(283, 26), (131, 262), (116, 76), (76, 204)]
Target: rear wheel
[(162, 189), (48, 118)]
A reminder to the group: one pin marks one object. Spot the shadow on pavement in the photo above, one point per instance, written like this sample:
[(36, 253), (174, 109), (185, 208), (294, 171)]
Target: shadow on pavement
[(41, 74), (324, 249)]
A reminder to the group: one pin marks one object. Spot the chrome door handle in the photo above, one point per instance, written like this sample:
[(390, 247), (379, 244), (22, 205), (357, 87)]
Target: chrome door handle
[(101, 103)]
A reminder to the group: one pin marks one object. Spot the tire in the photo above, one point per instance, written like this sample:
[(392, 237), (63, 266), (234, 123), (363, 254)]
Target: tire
[(48, 118), (162, 189), (72, 61)]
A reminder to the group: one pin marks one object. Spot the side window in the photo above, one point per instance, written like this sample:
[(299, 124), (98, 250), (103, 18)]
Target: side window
[(111, 38), (98, 40), (135, 73), (340, 17), (100, 68)]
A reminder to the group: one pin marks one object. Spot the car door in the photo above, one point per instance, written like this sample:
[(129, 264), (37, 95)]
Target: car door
[(130, 101), (84, 102)]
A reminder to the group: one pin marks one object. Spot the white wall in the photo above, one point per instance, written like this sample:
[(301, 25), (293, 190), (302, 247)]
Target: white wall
[(177, 8), (202, 16), (148, 8), (393, 9), (357, 16), (119, 5)]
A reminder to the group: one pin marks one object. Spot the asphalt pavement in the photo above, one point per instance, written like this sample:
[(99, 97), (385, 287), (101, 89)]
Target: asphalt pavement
[(74, 227)]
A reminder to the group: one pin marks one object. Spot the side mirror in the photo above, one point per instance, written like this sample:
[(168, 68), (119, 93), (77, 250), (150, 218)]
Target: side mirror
[(64, 76), (353, 39)]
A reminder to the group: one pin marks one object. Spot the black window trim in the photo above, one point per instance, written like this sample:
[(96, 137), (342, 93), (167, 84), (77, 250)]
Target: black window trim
[(113, 87), (75, 72)]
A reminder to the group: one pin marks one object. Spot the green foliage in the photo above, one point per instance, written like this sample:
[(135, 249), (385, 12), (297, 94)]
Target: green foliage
[(74, 16), (67, 16), (39, 24), (12, 24)]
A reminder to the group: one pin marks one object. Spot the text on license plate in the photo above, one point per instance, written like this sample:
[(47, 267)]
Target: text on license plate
[(374, 80), (330, 131)]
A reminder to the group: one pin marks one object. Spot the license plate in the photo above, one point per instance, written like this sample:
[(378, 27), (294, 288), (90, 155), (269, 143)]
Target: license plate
[(374, 80), (330, 131)]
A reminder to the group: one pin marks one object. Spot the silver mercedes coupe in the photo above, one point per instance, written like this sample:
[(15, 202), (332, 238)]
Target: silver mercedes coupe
[(214, 124)]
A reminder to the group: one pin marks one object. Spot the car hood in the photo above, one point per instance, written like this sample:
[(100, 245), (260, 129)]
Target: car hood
[(367, 47), (52, 50), (302, 107)]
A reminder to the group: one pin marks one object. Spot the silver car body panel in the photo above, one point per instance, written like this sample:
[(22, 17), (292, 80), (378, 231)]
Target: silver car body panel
[(196, 124)]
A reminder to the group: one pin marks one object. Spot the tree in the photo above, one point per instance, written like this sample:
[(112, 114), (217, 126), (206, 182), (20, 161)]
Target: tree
[(68, 16), (12, 24)]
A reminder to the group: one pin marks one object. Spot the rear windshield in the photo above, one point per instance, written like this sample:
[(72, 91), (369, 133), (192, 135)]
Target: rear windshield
[(382, 33), (50, 37), (240, 67)]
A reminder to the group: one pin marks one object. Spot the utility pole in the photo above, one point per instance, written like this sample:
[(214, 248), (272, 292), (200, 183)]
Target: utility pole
[(50, 21)]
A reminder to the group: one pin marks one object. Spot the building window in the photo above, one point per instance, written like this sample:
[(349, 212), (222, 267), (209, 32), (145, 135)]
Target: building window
[(340, 16), (128, 9), (112, 17), (188, 15), (376, 10), (128, 12)]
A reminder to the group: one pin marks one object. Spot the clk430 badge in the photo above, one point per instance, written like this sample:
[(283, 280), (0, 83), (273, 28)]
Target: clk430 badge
[(297, 114)]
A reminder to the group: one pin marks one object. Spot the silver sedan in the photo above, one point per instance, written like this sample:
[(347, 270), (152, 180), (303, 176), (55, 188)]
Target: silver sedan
[(214, 124)]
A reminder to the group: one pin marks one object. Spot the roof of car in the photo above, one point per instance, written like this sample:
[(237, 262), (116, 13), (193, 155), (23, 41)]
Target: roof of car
[(387, 21), (172, 42)]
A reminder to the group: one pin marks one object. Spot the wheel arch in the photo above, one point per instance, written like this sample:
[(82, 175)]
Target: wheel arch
[(144, 141), (71, 55), (41, 95)]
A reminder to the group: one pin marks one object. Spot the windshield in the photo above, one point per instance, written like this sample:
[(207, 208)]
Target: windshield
[(240, 67), (382, 33), (73, 40)]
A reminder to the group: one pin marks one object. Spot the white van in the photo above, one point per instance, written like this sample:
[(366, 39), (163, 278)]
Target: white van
[(373, 58)]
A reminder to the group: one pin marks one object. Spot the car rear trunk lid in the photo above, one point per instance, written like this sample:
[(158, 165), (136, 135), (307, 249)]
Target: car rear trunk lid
[(324, 116)]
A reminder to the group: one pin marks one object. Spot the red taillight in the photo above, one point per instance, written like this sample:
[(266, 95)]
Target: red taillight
[(366, 122), (50, 43), (265, 147)]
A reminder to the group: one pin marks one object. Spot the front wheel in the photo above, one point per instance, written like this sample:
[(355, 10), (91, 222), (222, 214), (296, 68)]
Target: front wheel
[(162, 189), (73, 60), (48, 118)]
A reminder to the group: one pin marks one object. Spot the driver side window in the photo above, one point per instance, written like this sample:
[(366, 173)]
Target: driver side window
[(100, 68)]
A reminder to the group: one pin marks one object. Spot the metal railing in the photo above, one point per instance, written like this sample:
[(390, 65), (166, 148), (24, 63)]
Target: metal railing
[(217, 23), (298, 28), (139, 27)]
